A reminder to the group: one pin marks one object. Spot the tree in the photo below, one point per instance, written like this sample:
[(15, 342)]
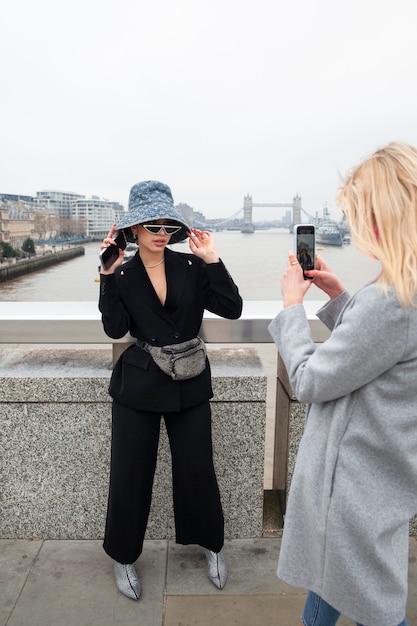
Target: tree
[(6, 250), (28, 246)]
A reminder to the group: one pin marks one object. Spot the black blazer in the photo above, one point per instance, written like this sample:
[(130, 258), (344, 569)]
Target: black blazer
[(128, 303)]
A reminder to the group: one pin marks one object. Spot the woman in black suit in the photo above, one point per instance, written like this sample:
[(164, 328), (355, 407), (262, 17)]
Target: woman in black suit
[(159, 297)]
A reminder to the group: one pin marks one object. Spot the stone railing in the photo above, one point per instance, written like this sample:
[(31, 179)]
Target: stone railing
[(55, 417)]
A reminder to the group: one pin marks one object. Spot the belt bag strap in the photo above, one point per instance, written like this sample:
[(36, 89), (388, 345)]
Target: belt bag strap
[(180, 361)]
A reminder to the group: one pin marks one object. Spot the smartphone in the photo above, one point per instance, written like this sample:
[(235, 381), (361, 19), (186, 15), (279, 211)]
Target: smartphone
[(110, 254), (305, 247)]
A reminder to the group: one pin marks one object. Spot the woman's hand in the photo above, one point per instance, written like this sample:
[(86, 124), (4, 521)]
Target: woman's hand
[(325, 280), (202, 245), (109, 241), (293, 285)]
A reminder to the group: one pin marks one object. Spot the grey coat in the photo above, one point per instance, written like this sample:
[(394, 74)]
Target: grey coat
[(354, 487)]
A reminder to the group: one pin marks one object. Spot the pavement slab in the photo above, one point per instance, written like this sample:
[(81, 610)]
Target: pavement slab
[(70, 583)]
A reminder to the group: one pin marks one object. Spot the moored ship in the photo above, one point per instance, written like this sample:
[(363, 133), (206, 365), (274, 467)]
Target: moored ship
[(330, 234)]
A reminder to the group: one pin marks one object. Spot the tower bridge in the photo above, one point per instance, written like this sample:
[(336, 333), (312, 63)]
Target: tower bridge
[(248, 205)]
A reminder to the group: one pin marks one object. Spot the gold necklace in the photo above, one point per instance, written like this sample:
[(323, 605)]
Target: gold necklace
[(155, 264)]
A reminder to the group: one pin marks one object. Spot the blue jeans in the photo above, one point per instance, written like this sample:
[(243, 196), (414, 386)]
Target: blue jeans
[(318, 613)]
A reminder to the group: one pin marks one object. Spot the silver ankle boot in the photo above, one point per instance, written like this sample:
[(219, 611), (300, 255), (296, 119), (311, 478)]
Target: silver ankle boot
[(127, 580), (217, 570)]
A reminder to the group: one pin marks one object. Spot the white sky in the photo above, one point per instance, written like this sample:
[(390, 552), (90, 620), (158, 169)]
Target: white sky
[(217, 98)]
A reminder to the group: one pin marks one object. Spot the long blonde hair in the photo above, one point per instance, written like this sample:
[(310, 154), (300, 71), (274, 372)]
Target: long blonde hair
[(379, 199)]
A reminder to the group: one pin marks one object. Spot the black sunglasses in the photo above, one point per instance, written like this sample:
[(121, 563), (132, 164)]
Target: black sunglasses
[(156, 228)]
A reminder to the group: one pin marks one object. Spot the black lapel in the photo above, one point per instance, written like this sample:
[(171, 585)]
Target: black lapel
[(176, 267), (138, 280)]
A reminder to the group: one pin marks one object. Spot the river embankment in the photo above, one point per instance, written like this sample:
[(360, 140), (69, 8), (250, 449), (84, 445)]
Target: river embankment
[(15, 268)]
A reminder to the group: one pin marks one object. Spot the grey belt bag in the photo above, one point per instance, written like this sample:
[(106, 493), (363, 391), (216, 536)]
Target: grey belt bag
[(180, 361)]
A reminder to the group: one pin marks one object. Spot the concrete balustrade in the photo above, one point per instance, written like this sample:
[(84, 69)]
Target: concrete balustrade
[(55, 442), (55, 420)]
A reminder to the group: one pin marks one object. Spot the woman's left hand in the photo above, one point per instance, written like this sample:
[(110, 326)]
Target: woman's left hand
[(202, 245), (293, 285)]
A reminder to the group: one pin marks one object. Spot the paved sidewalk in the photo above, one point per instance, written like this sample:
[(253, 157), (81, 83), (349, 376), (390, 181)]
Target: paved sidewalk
[(70, 583)]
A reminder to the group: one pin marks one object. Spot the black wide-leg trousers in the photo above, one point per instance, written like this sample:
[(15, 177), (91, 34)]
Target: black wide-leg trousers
[(197, 507)]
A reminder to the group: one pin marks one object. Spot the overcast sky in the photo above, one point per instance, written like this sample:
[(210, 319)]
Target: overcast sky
[(217, 98)]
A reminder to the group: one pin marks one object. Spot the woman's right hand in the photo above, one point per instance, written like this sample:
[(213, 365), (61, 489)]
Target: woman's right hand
[(325, 280), (109, 241)]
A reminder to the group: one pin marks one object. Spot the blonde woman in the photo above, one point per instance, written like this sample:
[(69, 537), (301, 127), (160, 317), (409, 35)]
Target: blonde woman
[(354, 487)]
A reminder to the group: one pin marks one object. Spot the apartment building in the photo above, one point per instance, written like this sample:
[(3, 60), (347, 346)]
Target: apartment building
[(59, 202), (97, 214)]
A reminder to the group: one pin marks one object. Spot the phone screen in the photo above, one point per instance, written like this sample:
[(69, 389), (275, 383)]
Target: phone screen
[(305, 248)]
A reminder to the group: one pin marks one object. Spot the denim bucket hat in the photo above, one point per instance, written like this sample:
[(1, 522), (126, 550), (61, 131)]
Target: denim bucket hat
[(152, 200)]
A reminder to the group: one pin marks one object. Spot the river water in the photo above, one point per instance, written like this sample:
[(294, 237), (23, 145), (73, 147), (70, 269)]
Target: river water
[(256, 262)]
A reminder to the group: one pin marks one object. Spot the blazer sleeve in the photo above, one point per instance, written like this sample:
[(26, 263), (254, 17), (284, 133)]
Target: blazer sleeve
[(115, 318), (356, 352), (221, 295)]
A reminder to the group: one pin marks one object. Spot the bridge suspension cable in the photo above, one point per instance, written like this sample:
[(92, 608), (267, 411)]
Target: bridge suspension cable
[(312, 218)]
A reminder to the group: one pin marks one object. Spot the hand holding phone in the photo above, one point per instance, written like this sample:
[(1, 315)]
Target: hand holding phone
[(305, 247), (109, 255)]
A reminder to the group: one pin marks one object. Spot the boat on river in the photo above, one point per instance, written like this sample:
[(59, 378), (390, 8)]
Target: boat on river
[(329, 233)]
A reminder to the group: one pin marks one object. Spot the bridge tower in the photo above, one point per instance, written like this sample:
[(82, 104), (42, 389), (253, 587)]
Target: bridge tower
[(247, 226), (296, 210)]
